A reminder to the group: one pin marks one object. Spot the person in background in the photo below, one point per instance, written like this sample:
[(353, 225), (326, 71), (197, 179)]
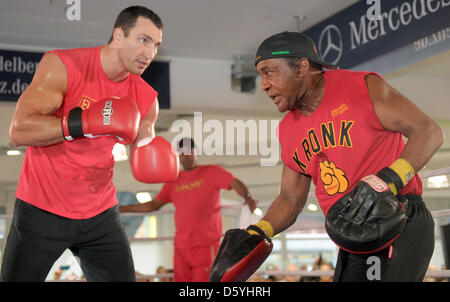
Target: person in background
[(291, 268), (198, 220)]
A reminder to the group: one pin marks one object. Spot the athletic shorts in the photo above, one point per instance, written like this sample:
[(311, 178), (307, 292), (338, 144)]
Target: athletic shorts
[(37, 238), (193, 264), (406, 260)]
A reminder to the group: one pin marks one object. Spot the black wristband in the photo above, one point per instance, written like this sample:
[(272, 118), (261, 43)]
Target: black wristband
[(389, 176), (74, 123), (256, 229)]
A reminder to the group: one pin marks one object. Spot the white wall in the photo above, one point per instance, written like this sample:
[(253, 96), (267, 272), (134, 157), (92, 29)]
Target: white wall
[(204, 85), (429, 93)]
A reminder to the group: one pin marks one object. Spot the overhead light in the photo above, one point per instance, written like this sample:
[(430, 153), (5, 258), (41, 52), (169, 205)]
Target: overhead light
[(13, 152), (143, 197), (436, 182), (312, 207), (153, 227), (119, 152), (258, 212)]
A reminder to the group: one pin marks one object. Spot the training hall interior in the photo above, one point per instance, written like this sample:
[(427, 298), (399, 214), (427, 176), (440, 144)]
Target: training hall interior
[(210, 90)]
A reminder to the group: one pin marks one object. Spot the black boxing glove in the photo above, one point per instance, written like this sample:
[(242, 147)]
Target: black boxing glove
[(241, 253), (371, 216)]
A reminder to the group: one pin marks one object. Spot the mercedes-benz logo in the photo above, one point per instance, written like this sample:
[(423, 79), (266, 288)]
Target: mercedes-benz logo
[(330, 44)]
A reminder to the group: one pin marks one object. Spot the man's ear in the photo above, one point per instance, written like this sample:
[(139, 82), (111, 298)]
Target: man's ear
[(302, 67), (118, 35)]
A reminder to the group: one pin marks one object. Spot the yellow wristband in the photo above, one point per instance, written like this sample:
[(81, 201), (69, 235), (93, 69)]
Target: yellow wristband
[(393, 188), (265, 226), (403, 169)]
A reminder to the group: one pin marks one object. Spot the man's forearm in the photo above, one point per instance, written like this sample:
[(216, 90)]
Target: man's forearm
[(240, 188), (37, 130), (282, 213), (138, 208), (421, 146)]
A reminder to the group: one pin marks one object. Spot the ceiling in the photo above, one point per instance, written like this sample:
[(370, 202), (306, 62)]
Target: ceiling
[(209, 29)]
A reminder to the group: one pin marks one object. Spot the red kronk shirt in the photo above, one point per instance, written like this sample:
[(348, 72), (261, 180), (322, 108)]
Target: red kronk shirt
[(341, 141)]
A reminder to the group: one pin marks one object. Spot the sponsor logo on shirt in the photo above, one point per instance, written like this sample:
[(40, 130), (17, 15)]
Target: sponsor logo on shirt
[(341, 109), (85, 102), (189, 186)]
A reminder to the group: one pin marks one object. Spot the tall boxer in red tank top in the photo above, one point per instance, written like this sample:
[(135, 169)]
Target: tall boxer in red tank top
[(344, 131), (79, 104)]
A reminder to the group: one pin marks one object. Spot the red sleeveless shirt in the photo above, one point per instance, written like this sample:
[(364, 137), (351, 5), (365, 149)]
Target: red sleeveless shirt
[(75, 179), (196, 197), (341, 141)]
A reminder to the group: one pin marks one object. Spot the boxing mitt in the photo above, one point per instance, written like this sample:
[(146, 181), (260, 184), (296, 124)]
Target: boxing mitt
[(240, 254), (108, 116), (154, 160), (371, 216)]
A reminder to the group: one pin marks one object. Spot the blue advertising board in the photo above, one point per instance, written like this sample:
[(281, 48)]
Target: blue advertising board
[(17, 69), (16, 72), (354, 35)]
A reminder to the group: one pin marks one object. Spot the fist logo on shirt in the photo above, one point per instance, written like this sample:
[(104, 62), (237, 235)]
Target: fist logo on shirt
[(333, 179)]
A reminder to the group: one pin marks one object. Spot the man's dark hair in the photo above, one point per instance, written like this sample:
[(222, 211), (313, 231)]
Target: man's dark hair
[(293, 63), (186, 141), (126, 20)]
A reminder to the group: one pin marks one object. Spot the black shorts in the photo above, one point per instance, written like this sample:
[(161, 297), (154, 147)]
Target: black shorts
[(37, 238), (406, 260)]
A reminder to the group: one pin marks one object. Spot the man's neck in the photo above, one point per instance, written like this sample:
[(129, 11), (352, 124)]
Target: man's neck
[(313, 95), (111, 64), (190, 168)]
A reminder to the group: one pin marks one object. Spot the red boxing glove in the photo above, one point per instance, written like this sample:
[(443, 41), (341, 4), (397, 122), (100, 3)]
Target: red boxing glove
[(154, 160), (109, 116)]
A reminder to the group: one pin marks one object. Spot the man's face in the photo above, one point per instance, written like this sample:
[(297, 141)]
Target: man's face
[(138, 49), (188, 158), (280, 82)]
